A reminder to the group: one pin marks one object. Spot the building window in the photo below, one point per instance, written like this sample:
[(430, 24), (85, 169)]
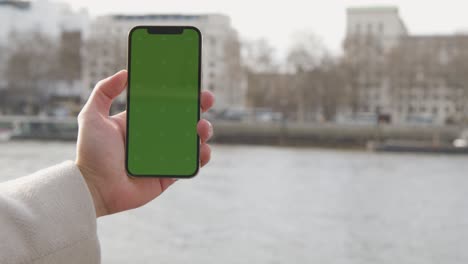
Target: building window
[(381, 28), (358, 29), (426, 94), (369, 29)]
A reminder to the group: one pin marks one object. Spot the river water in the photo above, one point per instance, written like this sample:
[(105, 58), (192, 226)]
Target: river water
[(256, 204)]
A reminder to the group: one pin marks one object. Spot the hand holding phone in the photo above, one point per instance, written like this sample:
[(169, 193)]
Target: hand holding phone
[(101, 151)]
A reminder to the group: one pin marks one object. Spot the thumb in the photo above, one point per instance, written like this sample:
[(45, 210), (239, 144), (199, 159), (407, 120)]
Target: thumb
[(106, 91)]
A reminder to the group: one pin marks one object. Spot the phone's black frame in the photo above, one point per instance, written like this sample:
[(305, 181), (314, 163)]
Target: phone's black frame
[(163, 30)]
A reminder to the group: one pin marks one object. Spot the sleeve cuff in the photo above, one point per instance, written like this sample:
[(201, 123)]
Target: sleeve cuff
[(50, 214)]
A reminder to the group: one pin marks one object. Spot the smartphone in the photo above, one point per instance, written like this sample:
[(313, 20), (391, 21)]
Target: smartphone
[(163, 101)]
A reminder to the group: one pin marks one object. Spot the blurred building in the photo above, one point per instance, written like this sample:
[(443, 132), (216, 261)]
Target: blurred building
[(428, 77), (405, 78), (61, 29), (384, 23), (51, 18), (106, 52)]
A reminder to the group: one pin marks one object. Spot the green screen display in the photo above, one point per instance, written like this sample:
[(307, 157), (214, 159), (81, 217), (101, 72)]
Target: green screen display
[(163, 105)]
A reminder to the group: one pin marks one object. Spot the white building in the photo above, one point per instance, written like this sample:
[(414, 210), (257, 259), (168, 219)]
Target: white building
[(406, 78), (220, 61), (383, 23), (51, 18), (431, 91)]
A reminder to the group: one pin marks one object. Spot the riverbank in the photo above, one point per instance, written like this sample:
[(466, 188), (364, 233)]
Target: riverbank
[(281, 134), (328, 135)]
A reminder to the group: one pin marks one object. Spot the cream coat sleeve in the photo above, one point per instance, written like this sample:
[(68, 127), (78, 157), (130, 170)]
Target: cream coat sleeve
[(48, 217)]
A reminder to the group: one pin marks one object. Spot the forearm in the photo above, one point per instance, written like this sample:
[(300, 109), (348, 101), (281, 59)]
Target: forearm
[(48, 217)]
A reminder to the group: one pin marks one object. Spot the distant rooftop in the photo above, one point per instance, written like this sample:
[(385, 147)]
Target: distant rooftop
[(373, 9), (377, 10), (157, 17), (15, 4)]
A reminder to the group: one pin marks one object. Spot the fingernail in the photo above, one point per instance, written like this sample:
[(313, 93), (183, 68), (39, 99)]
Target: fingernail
[(210, 131)]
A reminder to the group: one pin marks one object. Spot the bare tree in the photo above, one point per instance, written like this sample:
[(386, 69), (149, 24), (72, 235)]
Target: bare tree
[(331, 84), (30, 71), (258, 56), (306, 52), (69, 52), (273, 91), (363, 57), (260, 68), (303, 59), (311, 89)]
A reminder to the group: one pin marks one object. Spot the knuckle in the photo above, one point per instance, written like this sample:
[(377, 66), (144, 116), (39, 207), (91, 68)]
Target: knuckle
[(81, 116), (98, 84)]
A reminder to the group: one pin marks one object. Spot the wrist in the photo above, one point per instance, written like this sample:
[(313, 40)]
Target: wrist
[(88, 176)]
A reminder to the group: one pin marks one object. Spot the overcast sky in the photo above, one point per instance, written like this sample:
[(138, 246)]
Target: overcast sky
[(277, 21)]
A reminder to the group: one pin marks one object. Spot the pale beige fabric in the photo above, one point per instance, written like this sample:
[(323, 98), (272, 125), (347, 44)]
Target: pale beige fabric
[(48, 217)]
